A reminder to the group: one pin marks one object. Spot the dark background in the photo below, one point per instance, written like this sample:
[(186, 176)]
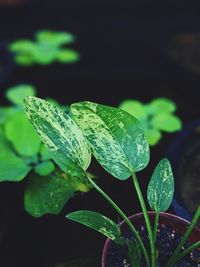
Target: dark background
[(125, 53)]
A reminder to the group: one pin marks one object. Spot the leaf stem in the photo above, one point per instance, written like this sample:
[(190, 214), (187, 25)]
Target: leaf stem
[(115, 206), (147, 220), (187, 251), (155, 227), (195, 219)]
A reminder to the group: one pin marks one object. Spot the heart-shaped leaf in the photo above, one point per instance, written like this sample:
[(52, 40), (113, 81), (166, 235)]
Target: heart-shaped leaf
[(98, 222), (161, 105), (115, 137), (161, 187), (135, 108), (60, 134), (153, 136), (46, 195)]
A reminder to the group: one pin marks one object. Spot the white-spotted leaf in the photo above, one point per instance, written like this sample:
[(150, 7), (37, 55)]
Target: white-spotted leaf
[(98, 222), (161, 187), (116, 138), (60, 134)]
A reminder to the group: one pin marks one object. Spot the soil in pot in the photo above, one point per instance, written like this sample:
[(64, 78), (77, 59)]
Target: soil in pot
[(168, 237)]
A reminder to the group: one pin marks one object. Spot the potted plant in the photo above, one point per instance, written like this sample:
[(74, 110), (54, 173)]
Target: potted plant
[(117, 141)]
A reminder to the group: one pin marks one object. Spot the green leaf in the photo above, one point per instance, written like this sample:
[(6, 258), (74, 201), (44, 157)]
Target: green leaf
[(45, 54), (12, 168), (98, 222), (135, 253), (45, 153), (116, 138), (67, 56), (21, 134), (24, 60), (153, 136), (46, 195), (161, 187), (22, 46), (166, 122), (60, 134), (161, 105), (45, 168), (135, 108), (16, 94), (54, 38)]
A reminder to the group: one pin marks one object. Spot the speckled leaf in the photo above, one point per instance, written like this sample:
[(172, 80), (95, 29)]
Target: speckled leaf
[(22, 135), (161, 187), (61, 135), (98, 222), (46, 195), (116, 138)]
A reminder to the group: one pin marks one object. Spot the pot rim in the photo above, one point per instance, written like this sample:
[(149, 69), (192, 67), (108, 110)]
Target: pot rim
[(139, 215)]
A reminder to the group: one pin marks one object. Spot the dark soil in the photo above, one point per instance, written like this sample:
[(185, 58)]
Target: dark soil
[(167, 241)]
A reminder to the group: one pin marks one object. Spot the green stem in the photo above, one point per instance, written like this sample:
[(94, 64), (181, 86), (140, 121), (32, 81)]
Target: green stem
[(147, 220), (155, 227), (184, 238), (187, 251), (115, 206)]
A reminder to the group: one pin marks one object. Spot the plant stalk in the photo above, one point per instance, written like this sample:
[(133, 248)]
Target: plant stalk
[(115, 206), (147, 220), (155, 227), (195, 219)]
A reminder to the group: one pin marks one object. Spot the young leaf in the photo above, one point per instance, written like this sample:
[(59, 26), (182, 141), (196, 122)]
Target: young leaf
[(67, 56), (46, 195), (12, 168), (98, 222), (115, 137), (45, 153), (153, 136), (161, 187), (22, 135), (134, 252), (45, 168), (166, 122), (161, 105), (60, 134), (135, 108), (16, 94)]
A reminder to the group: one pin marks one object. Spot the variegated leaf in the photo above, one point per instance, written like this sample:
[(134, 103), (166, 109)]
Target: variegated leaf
[(116, 138), (161, 187), (60, 134), (98, 222)]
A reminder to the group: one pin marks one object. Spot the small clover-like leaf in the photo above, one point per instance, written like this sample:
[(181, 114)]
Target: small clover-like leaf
[(166, 122), (161, 105), (54, 38), (46, 195), (97, 222), (153, 136), (161, 187), (44, 168), (67, 56), (21, 134), (135, 108), (115, 137), (16, 94), (12, 168), (61, 135)]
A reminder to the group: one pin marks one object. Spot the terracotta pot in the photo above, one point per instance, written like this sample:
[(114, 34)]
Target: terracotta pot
[(178, 224)]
